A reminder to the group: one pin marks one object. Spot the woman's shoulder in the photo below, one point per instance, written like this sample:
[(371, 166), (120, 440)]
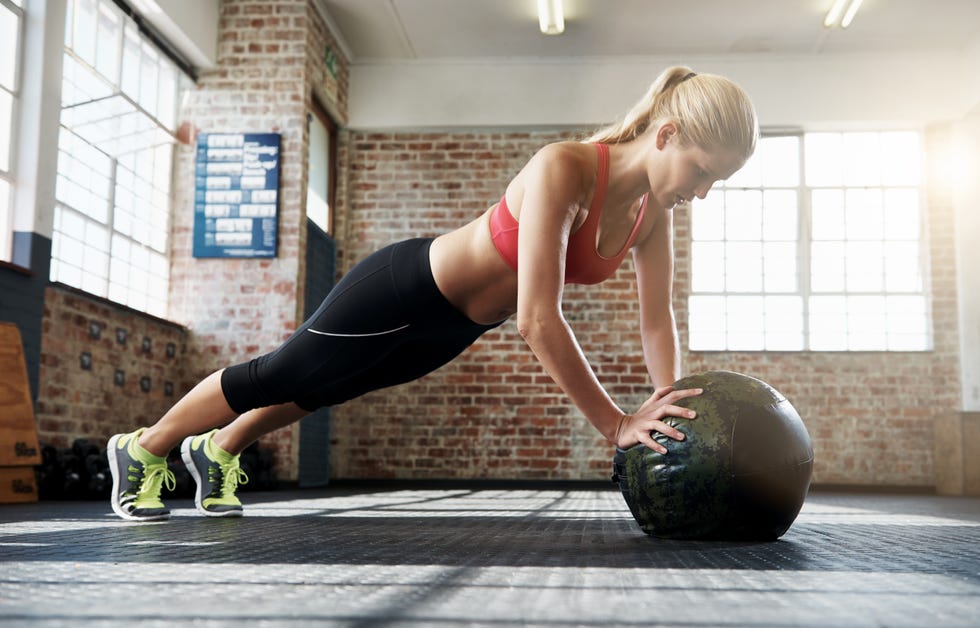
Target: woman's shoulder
[(567, 153), (565, 159)]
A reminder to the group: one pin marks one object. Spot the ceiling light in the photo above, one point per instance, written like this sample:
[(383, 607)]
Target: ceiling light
[(849, 14), (551, 17), (838, 9)]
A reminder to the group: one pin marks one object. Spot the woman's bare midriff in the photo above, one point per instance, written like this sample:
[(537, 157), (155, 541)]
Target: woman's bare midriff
[(471, 274)]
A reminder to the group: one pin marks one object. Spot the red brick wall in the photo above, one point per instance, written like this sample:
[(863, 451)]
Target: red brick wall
[(270, 65), (77, 403), (494, 413)]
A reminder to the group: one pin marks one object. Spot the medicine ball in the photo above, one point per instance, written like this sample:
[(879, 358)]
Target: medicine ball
[(741, 473)]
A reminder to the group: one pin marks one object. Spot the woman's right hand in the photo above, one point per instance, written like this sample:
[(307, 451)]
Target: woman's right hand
[(636, 428)]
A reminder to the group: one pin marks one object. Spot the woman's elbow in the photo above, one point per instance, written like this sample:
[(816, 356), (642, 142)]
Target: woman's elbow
[(532, 325)]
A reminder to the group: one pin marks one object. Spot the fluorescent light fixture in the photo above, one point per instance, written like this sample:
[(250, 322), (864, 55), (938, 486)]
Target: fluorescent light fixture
[(147, 7), (834, 13), (838, 9), (551, 17), (849, 14)]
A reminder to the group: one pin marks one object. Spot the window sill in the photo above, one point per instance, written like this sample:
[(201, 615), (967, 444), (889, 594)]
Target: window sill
[(16, 268)]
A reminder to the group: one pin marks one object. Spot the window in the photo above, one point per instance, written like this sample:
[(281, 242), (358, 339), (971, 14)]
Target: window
[(814, 245), (115, 159), (320, 175), (11, 26)]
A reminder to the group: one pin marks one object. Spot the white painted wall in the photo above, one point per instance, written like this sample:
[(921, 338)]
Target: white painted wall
[(190, 25), (966, 165), (811, 91)]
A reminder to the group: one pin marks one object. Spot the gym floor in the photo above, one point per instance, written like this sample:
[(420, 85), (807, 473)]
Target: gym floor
[(554, 555)]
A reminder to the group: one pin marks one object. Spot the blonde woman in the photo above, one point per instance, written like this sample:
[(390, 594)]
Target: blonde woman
[(570, 216)]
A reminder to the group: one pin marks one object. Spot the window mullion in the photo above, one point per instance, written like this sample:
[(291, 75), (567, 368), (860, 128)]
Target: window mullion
[(804, 247), (111, 217)]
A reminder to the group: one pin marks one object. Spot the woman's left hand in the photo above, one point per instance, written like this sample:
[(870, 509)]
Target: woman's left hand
[(636, 428)]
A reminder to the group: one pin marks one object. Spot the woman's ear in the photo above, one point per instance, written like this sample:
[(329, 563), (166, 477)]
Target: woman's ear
[(665, 132)]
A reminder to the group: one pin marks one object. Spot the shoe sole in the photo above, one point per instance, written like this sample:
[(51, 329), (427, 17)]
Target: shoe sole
[(114, 471), (188, 458)]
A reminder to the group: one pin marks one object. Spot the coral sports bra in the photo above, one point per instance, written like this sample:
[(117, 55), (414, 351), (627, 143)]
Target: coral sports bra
[(583, 263)]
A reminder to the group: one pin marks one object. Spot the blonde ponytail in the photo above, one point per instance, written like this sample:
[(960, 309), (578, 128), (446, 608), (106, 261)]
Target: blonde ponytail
[(710, 111)]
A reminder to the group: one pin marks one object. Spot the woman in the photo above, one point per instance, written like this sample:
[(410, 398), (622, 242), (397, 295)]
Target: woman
[(413, 306)]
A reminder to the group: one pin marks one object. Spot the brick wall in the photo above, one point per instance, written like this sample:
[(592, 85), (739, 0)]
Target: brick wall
[(77, 402), (270, 65), (494, 413)]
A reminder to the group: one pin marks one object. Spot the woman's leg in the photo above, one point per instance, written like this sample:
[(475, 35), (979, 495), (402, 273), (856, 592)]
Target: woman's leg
[(200, 410), (252, 425)]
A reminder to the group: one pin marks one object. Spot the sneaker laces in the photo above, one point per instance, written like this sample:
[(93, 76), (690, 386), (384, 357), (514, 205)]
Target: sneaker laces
[(232, 476), (151, 480), (155, 477)]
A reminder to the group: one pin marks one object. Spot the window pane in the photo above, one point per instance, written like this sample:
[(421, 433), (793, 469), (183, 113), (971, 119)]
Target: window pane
[(908, 324), (707, 322), (6, 128), (149, 69), (828, 324), (822, 159), (83, 38), (107, 43), (746, 323), (130, 81), (901, 159), (9, 48), (902, 267), (902, 218), (708, 266), (780, 161), (779, 215), (828, 214), (784, 323), (862, 159), (865, 315), (167, 105), (743, 267), (743, 215), (708, 218), (5, 232), (827, 267), (780, 266), (864, 267), (865, 218)]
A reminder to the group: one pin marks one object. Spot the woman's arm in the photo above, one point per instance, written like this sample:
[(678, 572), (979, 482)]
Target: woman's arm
[(554, 182), (653, 259)]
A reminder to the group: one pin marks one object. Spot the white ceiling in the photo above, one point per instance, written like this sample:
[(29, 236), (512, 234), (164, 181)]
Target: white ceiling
[(398, 30)]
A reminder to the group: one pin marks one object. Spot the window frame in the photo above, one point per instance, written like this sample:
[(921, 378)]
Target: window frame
[(125, 245), (804, 257), (9, 176)]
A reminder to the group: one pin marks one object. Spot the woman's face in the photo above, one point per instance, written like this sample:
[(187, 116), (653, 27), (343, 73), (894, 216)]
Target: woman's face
[(689, 171)]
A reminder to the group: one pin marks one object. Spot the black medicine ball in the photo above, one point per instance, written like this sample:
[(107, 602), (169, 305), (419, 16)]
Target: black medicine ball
[(741, 473)]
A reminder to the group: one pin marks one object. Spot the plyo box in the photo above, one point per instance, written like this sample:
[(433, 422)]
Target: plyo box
[(19, 447)]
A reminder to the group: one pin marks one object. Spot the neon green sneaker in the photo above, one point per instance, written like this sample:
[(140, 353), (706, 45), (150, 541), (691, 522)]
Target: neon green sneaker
[(217, 474), (137, 478)]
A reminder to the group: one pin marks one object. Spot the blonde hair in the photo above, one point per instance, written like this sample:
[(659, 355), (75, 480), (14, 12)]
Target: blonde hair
[(710, 111)]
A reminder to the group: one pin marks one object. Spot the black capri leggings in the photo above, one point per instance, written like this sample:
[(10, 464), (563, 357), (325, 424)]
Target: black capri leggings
[(384, 323)]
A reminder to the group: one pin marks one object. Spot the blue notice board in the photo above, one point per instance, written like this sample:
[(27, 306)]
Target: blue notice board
[(236, 195)]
